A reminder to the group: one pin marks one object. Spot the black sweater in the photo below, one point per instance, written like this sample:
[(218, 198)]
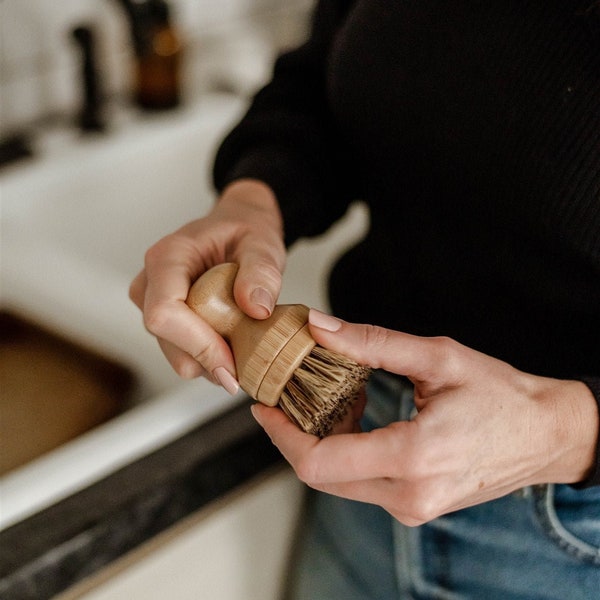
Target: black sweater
[(472, 131)]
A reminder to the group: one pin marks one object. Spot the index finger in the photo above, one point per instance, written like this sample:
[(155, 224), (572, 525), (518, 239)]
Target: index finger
[(424, 359)]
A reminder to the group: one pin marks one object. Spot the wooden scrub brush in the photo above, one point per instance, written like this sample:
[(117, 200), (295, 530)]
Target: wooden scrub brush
[(277, 360)]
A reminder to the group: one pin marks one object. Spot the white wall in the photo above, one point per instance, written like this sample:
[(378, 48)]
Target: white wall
[(227, 42)]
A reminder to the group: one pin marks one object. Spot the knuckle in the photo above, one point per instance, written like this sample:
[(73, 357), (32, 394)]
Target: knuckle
[(425, 505), (156, 251), (307, 470), (427, 511), (375, 336), (415, 458), (445, 345), (136, 290), (416, 474), (155, 318), (134, 293), (186, 368), (448, 353), (406, 520), (202, 355), (417, 466), (271, 272), (264, 270)]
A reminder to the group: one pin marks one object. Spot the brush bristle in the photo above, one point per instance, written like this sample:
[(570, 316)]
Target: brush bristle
[(321, 390)]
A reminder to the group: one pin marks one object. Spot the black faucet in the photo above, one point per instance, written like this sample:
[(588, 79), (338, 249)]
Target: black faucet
[(90, 118)]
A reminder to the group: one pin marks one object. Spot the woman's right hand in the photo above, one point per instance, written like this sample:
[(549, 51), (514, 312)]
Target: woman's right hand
[(244, 227)]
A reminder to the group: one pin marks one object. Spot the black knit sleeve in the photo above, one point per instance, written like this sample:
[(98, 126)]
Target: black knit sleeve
[(289, 140)]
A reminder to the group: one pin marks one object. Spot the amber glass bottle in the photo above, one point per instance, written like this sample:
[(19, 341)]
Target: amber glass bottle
[(158, 62)]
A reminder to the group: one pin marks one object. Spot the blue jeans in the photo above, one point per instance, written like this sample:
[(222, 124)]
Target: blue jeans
[(541, 543)]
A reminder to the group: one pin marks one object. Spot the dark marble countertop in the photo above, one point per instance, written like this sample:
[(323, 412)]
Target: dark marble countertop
[(50, 551)]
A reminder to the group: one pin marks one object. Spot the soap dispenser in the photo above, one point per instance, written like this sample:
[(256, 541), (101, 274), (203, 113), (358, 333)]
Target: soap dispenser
[(158, 65), (157, 54)]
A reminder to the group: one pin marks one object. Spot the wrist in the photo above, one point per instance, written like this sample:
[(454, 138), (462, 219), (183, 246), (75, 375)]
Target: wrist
[(574, 419), (257, 198), (251, 192)]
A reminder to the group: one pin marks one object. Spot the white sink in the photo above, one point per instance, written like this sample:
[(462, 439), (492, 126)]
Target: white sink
[(75, 225)]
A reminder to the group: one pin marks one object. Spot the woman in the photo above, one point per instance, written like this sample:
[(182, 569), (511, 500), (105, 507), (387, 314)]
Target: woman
[(472, 131)]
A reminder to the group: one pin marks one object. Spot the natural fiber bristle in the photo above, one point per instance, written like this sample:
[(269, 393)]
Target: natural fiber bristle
[(321, 390)]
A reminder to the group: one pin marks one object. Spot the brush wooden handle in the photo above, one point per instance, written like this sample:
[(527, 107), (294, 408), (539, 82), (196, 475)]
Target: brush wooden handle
[(266, 352)]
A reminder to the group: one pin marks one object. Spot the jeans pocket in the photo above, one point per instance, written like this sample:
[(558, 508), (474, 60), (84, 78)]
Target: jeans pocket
[(571, 518)]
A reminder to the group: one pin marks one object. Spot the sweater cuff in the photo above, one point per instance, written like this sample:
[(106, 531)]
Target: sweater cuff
[(298, 191), (594, 477)]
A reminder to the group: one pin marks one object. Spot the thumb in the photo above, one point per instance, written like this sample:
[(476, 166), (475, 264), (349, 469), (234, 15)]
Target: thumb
[(257, 286), (419, 358)]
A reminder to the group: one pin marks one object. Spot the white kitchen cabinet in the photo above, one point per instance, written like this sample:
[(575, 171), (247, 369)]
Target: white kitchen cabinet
[(236, 549)]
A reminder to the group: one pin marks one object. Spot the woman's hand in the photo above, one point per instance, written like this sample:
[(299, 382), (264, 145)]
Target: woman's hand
[(483, 428), (244, 227)]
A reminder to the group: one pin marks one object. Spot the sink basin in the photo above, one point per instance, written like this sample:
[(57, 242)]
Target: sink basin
[(52, 391), (76, 222)]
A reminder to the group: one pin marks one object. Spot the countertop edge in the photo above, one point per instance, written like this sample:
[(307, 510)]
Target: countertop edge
[(61, 545)]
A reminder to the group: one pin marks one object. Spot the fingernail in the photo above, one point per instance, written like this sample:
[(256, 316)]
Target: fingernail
[(227, 380), (263, 298), (323, 321), (255, 413)]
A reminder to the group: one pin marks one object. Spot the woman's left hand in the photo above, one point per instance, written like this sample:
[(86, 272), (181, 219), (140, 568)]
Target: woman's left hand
[(483, 428)]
